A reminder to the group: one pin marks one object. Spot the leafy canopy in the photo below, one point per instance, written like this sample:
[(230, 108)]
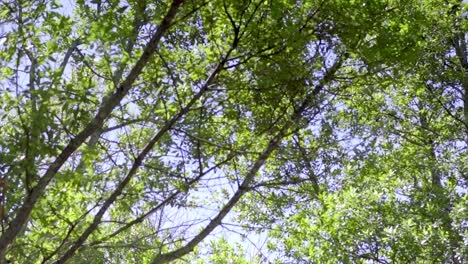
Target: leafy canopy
[(184, 131)]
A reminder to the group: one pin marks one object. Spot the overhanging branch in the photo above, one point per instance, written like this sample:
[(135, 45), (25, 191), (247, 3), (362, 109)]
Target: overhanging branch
[(96, 123)]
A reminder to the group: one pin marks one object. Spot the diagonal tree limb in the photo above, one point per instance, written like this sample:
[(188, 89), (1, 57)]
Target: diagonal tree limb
[(243, 188), (166, 201), (261, 160), (104, 111), (66, 59), (139, 161)]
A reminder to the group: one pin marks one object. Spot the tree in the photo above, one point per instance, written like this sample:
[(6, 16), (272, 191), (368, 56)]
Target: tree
[(150, 126), (401, 195)]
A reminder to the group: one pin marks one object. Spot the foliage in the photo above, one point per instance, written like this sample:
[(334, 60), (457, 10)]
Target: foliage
[(137, 131)]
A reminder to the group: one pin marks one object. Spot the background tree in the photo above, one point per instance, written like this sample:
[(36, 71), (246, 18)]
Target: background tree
[(401, 193)]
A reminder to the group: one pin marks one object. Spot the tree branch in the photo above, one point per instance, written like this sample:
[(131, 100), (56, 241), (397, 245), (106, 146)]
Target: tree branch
[(261, 160), (138, 162), (96, 123), (166, 201)]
